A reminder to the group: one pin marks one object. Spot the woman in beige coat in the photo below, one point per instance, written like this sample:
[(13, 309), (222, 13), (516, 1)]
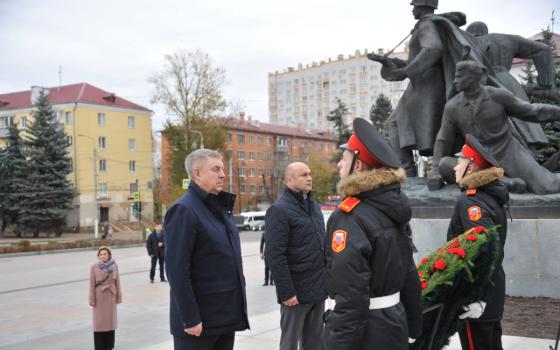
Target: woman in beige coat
[(104, 295)]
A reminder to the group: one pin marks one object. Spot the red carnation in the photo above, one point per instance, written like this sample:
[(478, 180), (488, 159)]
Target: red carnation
[(423, 261), (479, 229), (440, 264), (460, 252), (421, 273), (472, 237), (424, 284)]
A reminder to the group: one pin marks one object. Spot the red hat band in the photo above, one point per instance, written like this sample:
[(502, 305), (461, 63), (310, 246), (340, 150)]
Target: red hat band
[(471, 153), (363, 154)]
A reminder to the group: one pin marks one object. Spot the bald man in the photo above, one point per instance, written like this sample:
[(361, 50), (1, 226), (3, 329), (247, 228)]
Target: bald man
[(295, 235)]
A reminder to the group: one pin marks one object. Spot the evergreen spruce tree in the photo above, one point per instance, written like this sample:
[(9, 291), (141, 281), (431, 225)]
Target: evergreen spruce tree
[(379, 112), (528, 77), (14, 185), (337, 116), (50, 166)]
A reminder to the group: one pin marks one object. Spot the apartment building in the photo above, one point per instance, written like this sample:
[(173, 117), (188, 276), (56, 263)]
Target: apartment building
[(109, 141), (304, 96)]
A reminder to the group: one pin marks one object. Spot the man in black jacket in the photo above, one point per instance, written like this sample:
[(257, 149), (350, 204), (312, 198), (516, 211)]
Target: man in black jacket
[(370, 271), (203, 260), (155, 247), (295, 233), (267, 274), (482, 204)]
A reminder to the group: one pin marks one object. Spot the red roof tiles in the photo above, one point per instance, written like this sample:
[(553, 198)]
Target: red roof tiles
[(82, 92)]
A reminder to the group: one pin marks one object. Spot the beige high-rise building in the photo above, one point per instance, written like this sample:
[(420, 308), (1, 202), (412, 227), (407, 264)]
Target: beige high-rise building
[(304, 96)]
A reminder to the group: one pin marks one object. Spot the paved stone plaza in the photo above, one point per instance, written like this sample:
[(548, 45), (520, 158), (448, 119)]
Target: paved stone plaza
[(44, 304)]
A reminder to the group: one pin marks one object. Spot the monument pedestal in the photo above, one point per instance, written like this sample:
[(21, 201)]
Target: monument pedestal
[(533, 242)]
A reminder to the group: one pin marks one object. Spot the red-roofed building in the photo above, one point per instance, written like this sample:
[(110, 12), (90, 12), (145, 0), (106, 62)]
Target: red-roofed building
[(109, 141), (257, 154)]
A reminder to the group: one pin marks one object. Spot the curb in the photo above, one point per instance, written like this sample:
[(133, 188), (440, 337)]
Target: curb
[(58, 251)]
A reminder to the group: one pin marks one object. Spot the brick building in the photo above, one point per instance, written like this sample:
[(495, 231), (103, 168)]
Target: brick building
[(256, 156)]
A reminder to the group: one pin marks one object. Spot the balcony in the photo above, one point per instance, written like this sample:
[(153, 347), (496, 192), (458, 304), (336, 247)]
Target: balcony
[(281, 149)]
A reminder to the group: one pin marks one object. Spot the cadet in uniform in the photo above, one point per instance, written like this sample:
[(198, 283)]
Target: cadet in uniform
[(482, 204), (370, 271)]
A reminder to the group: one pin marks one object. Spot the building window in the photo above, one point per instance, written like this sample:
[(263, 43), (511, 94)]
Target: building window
[(260, 140), (260, 155), (103, 189), (241, 172), (131, 122), (261, 172), (102, 165), (6, 121), (252, 188), (251, 155), (241, 188), (133, 187), (251, 139), (23, 122), (269, 141), (282, 141), (269, 156), (132, 165), (101, 119), (251, 172), (229, 137), (68, 118), (102, 142), (240, 154), (240, 139), (132, 145), (261, 188), (68, 141)]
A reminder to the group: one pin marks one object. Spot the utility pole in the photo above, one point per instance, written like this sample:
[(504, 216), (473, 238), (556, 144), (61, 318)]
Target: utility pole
[(96, 217), (139, 205)]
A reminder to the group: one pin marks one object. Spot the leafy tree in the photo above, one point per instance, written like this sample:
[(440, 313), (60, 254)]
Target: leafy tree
[(323, 174), (14, 185), (380, 111), (50, 165), (338, 117)]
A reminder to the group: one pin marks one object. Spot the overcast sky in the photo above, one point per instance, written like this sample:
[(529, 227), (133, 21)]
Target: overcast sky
[(117, 45)]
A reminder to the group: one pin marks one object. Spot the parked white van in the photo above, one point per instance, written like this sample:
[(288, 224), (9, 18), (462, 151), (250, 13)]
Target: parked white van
[(251, 220)]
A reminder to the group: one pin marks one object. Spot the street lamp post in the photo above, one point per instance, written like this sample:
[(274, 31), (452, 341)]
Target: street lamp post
[(96, 215)]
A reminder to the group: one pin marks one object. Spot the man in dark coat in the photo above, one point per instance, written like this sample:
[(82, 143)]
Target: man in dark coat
[(295, 233), (203, 260), (155, 246), (371, 274), (482, 111), (482, 204)]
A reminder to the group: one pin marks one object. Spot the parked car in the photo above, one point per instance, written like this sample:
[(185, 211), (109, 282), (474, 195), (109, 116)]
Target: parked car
[(252, 220)]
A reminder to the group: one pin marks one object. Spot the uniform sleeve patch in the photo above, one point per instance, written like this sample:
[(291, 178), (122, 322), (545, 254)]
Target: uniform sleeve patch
[(475, 213), (338, 243)]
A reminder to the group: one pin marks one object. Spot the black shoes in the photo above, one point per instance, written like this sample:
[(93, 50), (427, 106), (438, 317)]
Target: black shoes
[(265, 284), (151, 281), (163, 280)]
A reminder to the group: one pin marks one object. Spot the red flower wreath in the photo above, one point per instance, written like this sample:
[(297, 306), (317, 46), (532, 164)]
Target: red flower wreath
[(472, 237), (424, 284), (479, 229)]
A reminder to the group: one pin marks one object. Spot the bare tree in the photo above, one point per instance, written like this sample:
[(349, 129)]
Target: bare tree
[(190, 86)]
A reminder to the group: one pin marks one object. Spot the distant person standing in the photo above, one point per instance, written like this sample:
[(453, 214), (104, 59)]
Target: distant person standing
[(267, 275), (155, 247), (295, 234), (104, 295)]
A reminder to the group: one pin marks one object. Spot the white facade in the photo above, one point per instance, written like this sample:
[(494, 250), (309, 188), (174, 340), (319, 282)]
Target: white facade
[(303, 97)]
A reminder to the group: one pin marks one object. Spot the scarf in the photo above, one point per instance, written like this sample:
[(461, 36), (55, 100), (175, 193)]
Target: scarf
[(108, 266)]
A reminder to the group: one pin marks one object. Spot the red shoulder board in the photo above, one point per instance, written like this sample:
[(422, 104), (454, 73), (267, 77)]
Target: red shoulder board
[(471, 191), (348, 204)]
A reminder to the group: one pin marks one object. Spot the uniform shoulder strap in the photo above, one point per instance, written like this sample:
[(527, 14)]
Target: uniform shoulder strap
[(349, 204)]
